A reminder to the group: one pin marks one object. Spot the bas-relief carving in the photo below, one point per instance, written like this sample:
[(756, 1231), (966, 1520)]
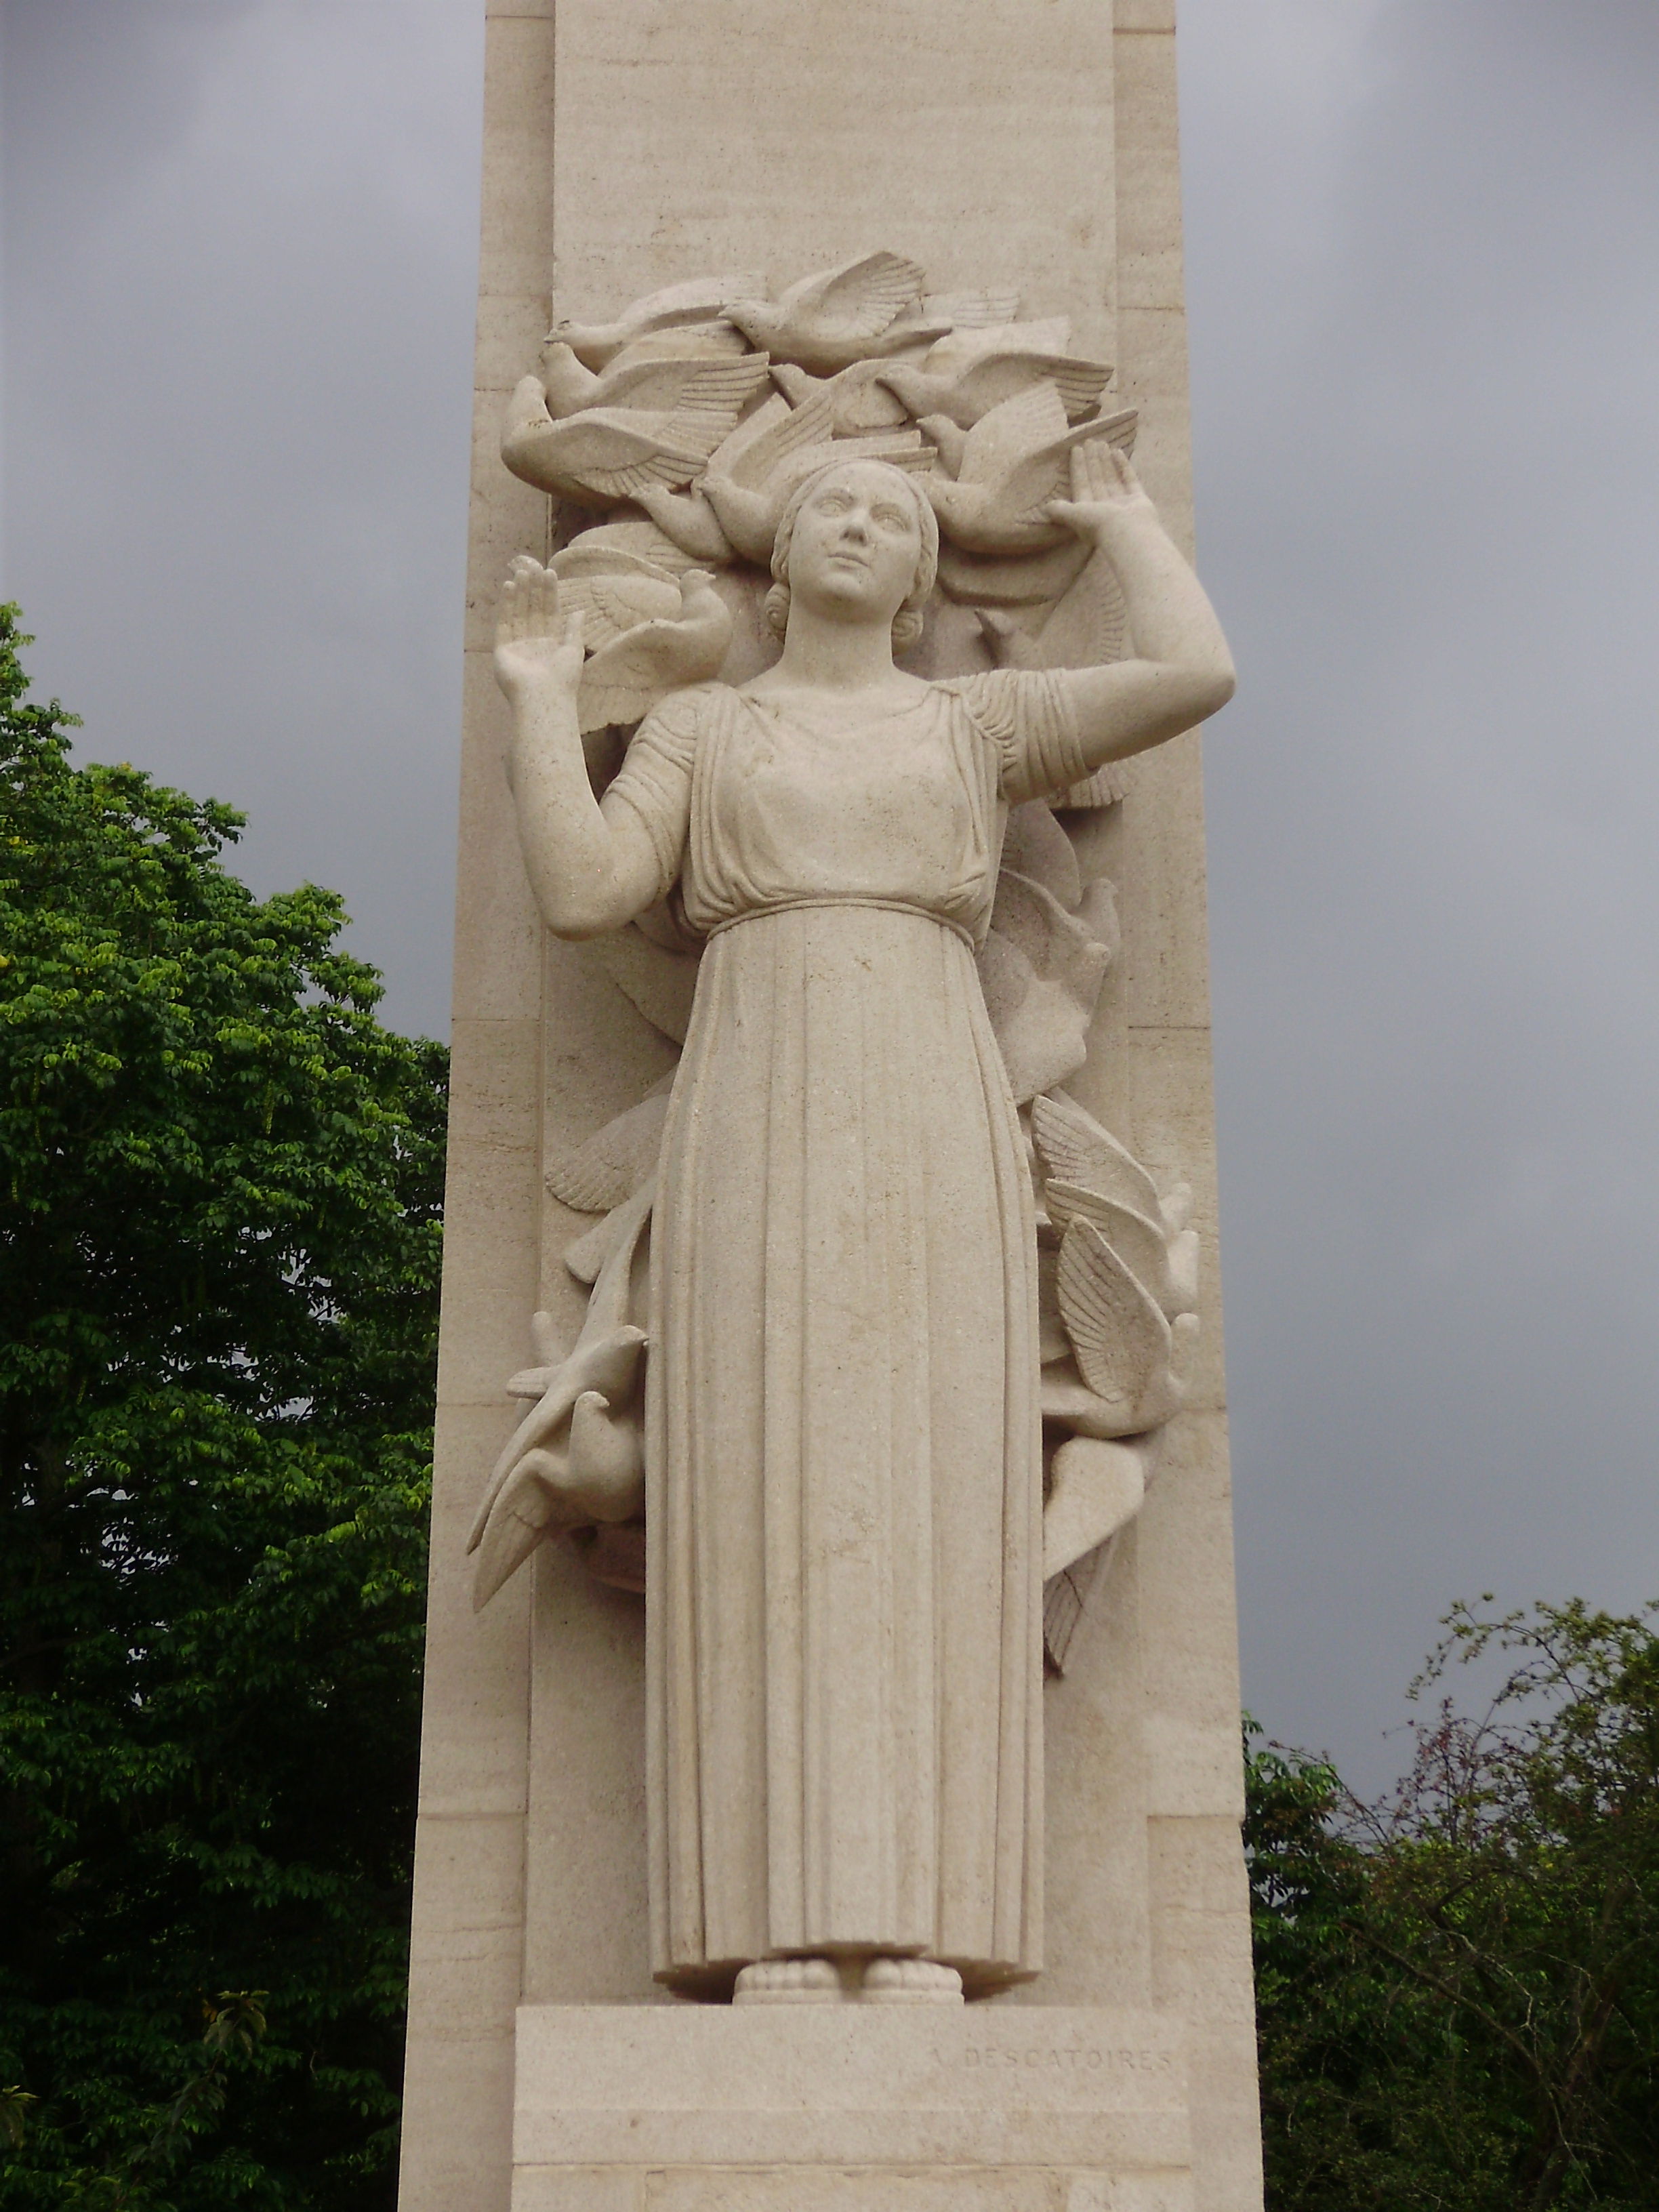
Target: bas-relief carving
[(883, 1326)]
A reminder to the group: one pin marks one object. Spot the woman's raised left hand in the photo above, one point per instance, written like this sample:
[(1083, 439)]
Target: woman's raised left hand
[(1106, 493)]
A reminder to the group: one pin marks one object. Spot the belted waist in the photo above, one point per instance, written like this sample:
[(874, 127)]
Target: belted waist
[(832, 899)]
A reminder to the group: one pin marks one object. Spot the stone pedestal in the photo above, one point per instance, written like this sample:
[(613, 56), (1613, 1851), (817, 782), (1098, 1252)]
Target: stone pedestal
[(1025, 144), (1064, 2108)]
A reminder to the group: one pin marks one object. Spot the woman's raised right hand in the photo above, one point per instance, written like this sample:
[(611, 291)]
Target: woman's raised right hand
[(538, 652)]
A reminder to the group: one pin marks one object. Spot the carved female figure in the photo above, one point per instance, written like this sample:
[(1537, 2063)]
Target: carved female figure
[(843, 1446)]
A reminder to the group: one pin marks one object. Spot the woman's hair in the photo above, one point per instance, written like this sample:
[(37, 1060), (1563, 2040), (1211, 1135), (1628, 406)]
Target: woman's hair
[(907, 622)]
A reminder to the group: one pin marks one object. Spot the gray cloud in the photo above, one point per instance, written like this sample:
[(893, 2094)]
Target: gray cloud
[(241, 251), (240, 241)]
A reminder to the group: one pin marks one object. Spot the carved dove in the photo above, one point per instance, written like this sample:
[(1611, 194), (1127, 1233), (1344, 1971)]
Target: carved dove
[(1040, 967), (1007, 469), (591, 552), (1005, 580), (604, 1474), (966, 394), (657, 383), (826, 322), (533, 1487), (642, 660), (744, 459), (695, 301), (688, 520), (601, 455), (596, 1475), (1087, 626), (679, 341)]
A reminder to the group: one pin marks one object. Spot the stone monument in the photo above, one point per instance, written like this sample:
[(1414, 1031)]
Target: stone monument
[(830, 1778)]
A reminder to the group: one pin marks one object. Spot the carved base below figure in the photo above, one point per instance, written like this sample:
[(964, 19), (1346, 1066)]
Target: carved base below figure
[(849, 2108), (850, 1980)]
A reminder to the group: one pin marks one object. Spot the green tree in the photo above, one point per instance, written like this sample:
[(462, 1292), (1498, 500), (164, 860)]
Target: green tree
[(220, 1193), (1458, 1987)]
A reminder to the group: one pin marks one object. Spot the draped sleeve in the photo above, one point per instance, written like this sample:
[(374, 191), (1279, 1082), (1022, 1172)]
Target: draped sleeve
[(654, 780), (1026, 715)]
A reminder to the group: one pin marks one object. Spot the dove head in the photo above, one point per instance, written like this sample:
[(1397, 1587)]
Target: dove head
[(755, 319), (592, 344), (909, 387), (853, 516), (946, 498), (565, 380)]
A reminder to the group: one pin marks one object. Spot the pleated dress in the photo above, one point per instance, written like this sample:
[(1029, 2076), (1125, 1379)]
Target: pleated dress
[(844, 1436)]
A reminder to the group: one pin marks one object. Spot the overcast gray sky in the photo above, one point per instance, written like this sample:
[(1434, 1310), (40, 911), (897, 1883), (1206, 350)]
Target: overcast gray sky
[(239, 242)]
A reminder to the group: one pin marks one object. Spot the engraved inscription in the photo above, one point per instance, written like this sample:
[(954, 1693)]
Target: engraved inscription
[(1054, 2057)]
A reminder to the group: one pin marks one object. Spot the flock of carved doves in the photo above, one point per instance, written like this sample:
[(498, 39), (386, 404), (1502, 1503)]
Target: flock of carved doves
[(856, 359), (704, 405)]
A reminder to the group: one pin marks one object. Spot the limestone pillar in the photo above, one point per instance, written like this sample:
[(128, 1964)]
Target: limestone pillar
[(1029, 145)]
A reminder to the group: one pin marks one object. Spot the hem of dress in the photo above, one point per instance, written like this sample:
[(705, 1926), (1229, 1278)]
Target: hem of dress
[(712, 1981)]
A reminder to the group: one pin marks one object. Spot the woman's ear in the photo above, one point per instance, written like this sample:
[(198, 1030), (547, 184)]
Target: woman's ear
[(906, 627)]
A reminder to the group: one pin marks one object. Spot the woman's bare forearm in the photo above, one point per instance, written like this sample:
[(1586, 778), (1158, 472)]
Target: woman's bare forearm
[(1171, 621), (588, 874), (1179, 670)]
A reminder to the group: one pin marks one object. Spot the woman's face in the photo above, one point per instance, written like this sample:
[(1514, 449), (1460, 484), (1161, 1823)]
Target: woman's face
[(857, 544)]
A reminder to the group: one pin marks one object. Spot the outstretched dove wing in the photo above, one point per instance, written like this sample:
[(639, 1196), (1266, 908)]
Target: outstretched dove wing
[(610, 546), (1139, 1241), (1007, 436), (614, 604), (713, 397), (625, 678), (771, 434), (1075, 1149), (686, 380), (970, 311), (1121, 1340), (999, 376), (610, 1166), (859, 299), (600, 453)]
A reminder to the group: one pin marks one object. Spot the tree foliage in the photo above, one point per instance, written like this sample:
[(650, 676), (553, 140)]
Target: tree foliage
[(219, 1188), (1458, 1988)]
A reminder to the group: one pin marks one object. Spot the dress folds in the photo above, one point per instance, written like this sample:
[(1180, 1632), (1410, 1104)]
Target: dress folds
[(844, 1436)]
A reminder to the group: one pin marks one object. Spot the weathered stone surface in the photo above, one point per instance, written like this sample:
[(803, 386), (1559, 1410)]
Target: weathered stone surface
[(981, 2086)]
